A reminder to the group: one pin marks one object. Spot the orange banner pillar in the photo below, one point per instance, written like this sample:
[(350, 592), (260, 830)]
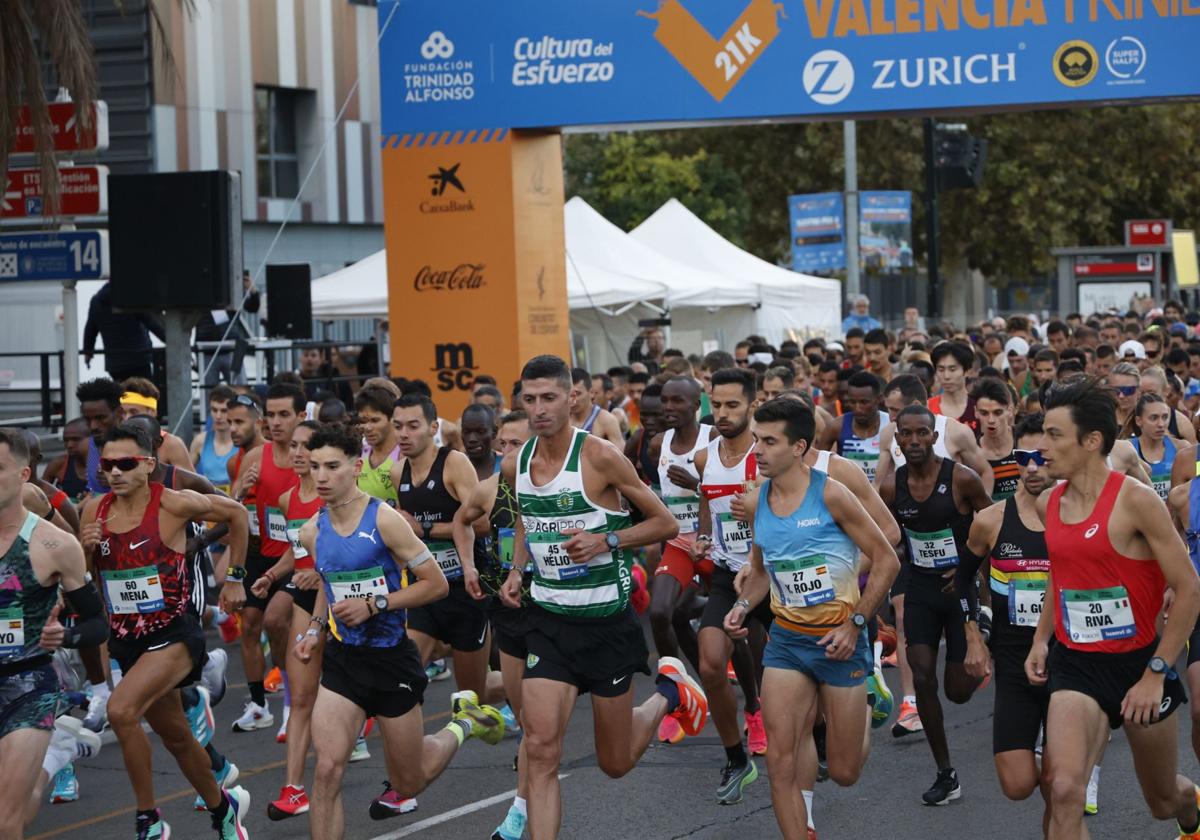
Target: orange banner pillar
[(475, 257)]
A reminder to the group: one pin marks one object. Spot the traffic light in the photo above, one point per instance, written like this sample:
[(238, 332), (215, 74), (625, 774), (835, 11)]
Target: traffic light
[(958, 157)]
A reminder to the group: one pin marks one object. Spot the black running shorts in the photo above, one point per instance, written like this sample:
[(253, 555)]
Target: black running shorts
[(458, 620), (930, 614), (1107, 678), (383, 682), (597, 655)]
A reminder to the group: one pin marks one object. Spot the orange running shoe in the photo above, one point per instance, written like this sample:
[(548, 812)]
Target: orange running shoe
[(812, 834), (730, 673), (231, 629), (908, 722), (887, 635), (756, 733), (669, 731), (889, 661), (274, 681), (692, 713)]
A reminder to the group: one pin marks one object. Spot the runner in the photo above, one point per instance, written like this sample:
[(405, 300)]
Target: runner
[(590, 417), (637, 448), (933, 500), (674, 452), (807, 559), (212, 449), (266, 471), (478, 425), (361, 549), (381, 448), (584, 636), (432, 482), (951, 361), (993, 405), (729, 470), (100, 407), (494, 497), (65, 516), (155, 637), (140, 397), (68, 471), (1184, 502), (1108, 664), (855, 435), (876, 357), (1154, 446)]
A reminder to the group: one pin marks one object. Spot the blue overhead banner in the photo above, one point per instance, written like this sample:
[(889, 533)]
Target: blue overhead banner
[(451, 65), (818, 223)]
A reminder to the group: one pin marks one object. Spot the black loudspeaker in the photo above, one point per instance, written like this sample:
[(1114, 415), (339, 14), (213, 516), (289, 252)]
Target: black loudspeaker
[(176, 240), (289, 300)]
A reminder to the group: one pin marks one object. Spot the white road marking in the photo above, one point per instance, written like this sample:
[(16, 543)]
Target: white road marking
[(454, 814)]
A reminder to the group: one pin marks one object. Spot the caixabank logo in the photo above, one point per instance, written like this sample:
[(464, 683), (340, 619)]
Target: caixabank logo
[(716, 63)]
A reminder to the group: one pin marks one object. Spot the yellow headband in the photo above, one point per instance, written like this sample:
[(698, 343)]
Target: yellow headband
[(132, 398)]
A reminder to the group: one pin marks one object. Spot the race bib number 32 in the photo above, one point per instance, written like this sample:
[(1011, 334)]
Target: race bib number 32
[(935, 550)]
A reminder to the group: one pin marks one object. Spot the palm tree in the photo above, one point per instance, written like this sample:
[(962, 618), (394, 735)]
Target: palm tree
[(55, 30)]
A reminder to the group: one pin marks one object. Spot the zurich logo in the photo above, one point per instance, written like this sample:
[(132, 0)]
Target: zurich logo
[(1125, 57), (828, 77)]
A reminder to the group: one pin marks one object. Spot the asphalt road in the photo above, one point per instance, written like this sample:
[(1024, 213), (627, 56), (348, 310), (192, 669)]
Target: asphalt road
[(669, 794)]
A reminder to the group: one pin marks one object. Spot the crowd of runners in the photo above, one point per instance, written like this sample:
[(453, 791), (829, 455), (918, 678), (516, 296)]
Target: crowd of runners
[(792, 521)]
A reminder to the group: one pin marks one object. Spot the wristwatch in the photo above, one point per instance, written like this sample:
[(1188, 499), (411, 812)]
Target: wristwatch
[(426, 532), (235, 573), (612, 540), (381, 603), (1158, 665), (858, 620)]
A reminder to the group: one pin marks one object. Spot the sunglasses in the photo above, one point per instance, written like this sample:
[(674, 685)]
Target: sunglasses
[(242, 399), (1126, 390), (1024, 456), (126, 464)]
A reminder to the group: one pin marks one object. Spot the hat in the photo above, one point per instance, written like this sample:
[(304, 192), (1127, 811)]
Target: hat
[(1179, 329), (1017, 345), (1135, 347), (835, 346)]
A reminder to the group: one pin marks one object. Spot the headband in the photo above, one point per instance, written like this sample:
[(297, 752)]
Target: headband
[(133, 398)]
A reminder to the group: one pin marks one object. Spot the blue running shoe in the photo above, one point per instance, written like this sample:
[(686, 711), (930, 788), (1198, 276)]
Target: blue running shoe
[(437, 670), (226, 776), (510, 719), (66, 786), (200, 717), (230, 826), (513, 827), (880, 698)]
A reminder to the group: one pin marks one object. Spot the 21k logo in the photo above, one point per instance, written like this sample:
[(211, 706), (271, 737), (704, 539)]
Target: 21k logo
[(717, 64)]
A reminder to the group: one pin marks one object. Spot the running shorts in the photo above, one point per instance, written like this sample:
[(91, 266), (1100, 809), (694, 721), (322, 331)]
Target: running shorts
[(788, 650), (1107, 677), (930, 614), (305, 599), (721, 596), (1020, 707), (31, 698), (600, 656), (458, 620), (509, 627), (678, 563), (185, 630), (256, 566), (383, 682)]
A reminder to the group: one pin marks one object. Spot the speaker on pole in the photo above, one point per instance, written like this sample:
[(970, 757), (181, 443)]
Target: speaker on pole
[(289, 300)]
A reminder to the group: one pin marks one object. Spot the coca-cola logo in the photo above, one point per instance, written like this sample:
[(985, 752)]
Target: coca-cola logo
[(462, 276)]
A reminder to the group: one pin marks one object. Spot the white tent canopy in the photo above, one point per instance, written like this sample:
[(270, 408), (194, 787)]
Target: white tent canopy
[(357, 291)]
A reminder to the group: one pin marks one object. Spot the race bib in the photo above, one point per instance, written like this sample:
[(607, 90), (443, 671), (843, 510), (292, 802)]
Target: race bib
[(134, 591), (935, 550), (276, 525), (686, 510), (299, 552), (1097, 615), (735, 534), (802, 583), (868, 462), (12, 632), (252, 513), (364, 583), (1026, 597), (1162, 484), (446, 556), (506, 539), (550, 560)]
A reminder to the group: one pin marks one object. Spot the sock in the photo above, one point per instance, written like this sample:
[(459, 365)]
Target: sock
[(910, 698), (222, 809), (151, 815), (461, 730), (214, 758), (808, 802), (519, 805), (736, 755), (57, 757), (101, 691), (287, 691), (667, 688), (258, 694), (878, 653)]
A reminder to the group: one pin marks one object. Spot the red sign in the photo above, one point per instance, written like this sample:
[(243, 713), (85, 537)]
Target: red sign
[(83, 191), (68, 135), (1110, 265), (1147, 233)]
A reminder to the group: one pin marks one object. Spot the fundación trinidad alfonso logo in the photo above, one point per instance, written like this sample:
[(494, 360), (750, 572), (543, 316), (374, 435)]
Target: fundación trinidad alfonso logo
[(717, 63)]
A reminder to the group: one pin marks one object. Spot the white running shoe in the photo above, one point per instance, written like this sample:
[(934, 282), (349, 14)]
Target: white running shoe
[(213, 675), (361, 753), (87, 742), (1092, 803), (96, 718), (254, 717)]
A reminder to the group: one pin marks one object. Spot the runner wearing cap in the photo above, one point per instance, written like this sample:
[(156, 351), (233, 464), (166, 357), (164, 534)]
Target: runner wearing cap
[(1016, 357)]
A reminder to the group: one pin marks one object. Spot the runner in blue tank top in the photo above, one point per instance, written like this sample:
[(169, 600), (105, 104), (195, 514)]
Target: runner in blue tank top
[(371, 667), (1184, 502), (808, 531)]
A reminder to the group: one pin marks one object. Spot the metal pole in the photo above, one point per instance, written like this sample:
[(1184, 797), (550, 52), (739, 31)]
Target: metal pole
[(850, 144), (932, 251), (178, 326), (70, 368)]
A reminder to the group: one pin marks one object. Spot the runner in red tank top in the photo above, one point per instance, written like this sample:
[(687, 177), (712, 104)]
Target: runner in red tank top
[(1108, 665), (266, 472), (136, 536)]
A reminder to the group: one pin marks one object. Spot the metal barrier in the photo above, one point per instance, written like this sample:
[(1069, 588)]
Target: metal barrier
[(50, 410)]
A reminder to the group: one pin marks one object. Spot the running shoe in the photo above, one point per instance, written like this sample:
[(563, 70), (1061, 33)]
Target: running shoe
[(908, 722), (360, 751), (390, 804), (230, 826), (812, 833), (692, 713), (881, 698), (734, 781), (822, 761), (487, 724), (669, 731), (985, 622), (200, 717), (730, 674), (513, 827), (213, 675), (640, 597), (231, 628), (226, 776), (1195, 835), (889, 660), (510, 720), (1092, 802), (152, 828), (87, 742), (96, 718), (281, 735), (65, 787), (436, 671), (292, 802), (756, 733), (254, 717), (273, 681), (945, 788)]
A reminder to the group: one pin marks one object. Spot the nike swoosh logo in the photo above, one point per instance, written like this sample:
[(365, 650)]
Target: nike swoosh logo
[(620, 680), (137, 545), (484, 633)]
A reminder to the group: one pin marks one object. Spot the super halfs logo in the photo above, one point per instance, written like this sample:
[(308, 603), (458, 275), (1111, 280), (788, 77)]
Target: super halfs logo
[(716, 63)]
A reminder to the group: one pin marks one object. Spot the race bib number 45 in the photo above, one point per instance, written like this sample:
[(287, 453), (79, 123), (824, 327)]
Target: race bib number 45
[(1097, 615), (134, 591), (802, 583), (552, 562)]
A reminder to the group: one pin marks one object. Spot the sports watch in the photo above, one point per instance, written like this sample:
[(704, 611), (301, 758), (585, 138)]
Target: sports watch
[(858, 620), (381, 603), (235, 573), (612, 540), (1157, 665)]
